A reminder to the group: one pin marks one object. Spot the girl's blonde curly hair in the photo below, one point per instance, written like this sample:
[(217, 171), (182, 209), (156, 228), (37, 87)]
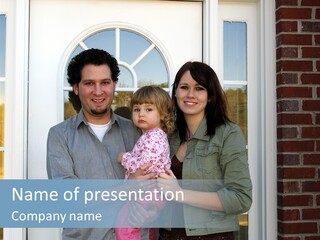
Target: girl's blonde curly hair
[(161, 99)]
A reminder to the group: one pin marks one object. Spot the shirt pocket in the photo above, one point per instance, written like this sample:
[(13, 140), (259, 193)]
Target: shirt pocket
[(207, 162)]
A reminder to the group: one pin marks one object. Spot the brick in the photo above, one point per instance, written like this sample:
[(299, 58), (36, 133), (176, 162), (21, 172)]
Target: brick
[(318, 200), (287, 52), (311, 159), (317, 13), (298, 228), (315, 237), (289, 187), (311, 105), (286, 3), (293, 13), (318, 118), (311, 52), (288, 215), (310, 78), (295, 66), (310, 2), (318, 65), (310, 213), (287, 26), (287, 78), (295, 201), (287, 133), (318, 92), (286, 106), (296, 146), (312, 27), (310, 132), (296, 173), (311, 186), (317, 39), (288, 159), (294, 92), (288, 238), (294, 39), (317, 146), (294, 118)]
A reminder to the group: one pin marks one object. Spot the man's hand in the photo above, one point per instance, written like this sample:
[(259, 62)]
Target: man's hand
[(139, 215)]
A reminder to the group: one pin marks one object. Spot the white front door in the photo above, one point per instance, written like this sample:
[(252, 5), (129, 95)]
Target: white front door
[(57, 27)]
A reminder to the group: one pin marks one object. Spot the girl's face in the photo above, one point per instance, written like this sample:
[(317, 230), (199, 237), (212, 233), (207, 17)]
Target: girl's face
[(146, 116), (192, 98)]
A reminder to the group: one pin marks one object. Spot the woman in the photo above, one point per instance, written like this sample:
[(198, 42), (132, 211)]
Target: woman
[(207, 146)]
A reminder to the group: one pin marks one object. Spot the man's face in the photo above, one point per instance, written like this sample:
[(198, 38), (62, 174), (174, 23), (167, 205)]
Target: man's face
[(96, 91)]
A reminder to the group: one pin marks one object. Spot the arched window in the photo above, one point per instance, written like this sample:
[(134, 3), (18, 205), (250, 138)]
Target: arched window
[(141, 61)]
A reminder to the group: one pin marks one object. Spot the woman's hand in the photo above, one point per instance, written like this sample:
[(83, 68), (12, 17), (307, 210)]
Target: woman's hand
[(167, 182)]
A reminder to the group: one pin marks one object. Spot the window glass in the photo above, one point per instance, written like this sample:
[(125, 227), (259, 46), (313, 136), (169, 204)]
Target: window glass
[(141, 63), (2, 44), (235, 51), (103, 40), (132, 46), (126, 80), (237, 105), (1, 121), (71, 104), (121, 99), (235, 71), (153, 71)]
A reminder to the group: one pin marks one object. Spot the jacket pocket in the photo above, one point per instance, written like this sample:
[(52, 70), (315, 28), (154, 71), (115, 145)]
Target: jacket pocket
[(207, 162)]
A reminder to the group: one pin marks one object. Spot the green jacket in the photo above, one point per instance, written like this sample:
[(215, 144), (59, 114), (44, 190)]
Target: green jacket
[(218, 163)]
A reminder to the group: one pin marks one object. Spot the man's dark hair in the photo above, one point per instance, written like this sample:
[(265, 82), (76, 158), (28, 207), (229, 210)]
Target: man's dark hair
[(91, 56)]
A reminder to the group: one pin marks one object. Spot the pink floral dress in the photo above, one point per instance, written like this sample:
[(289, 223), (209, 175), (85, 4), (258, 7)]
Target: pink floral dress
[(152, 146)]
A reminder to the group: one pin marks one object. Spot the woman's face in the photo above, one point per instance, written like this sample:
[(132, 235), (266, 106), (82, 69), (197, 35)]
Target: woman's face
[(192, 98)]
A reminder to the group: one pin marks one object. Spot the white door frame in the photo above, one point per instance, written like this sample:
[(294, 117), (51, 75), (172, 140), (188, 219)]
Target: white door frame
[(17, 104)]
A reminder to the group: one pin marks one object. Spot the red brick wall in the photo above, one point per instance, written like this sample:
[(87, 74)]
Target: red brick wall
[(298, 118)]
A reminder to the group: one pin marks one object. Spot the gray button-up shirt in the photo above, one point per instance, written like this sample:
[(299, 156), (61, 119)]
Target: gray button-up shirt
[(74, 152)]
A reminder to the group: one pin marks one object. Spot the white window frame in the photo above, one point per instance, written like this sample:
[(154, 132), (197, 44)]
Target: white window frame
[(16, 116)]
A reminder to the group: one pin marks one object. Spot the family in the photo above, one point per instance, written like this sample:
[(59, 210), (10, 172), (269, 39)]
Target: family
[(187, 136)]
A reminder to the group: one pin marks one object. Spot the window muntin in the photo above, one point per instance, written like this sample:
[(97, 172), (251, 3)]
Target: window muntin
[(141, 63)]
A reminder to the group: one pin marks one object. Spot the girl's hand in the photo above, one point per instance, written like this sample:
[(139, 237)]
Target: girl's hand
[(139, 174)]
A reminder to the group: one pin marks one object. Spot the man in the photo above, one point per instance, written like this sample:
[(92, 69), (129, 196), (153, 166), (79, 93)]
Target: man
[(86, 146)]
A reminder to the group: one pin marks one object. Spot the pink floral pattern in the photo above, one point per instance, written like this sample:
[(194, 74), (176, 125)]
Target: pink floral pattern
[(152, 146)]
